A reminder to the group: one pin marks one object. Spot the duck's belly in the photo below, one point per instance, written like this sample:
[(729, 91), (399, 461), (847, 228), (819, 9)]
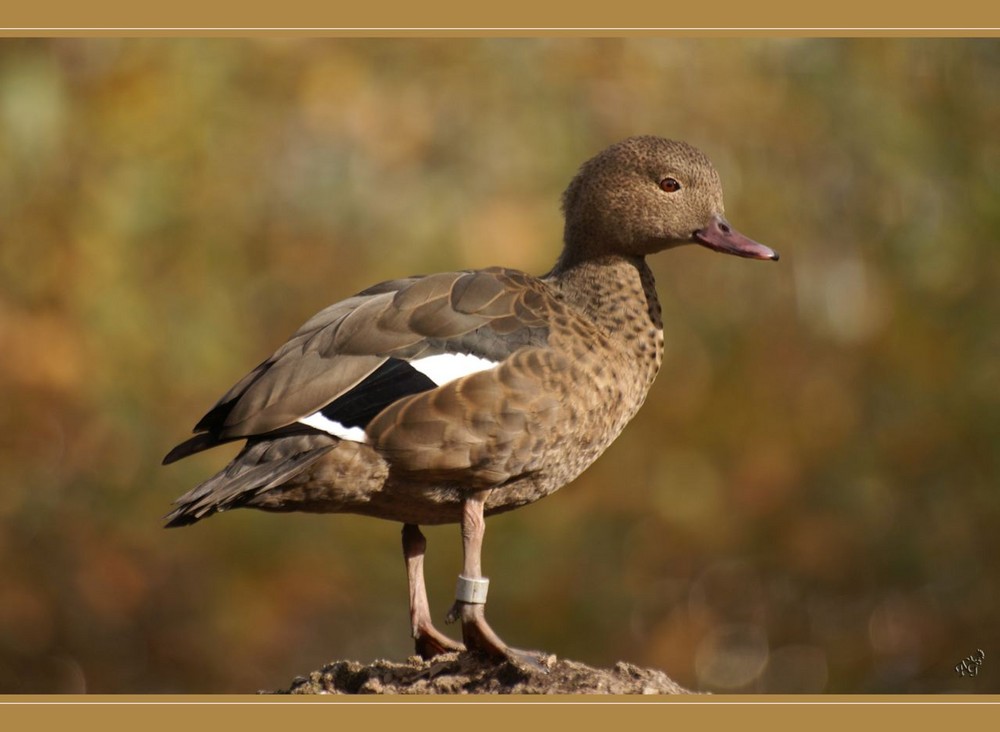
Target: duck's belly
[(441, 503), (355, 479)]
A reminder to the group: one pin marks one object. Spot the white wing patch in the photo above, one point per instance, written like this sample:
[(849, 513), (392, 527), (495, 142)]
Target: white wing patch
[(445, 367), (440, 369), (317, 420)]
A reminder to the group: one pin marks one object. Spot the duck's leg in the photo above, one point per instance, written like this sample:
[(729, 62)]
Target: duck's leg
[(470, 603), (429, 641)]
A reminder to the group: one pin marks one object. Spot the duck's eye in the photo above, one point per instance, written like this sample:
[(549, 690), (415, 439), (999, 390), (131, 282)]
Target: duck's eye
[(670, 185)]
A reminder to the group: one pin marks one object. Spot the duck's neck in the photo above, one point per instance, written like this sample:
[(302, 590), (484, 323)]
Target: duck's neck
[(616, 292)]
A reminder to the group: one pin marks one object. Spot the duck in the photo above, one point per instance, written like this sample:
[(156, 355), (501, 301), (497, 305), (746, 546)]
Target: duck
[(451, 397)]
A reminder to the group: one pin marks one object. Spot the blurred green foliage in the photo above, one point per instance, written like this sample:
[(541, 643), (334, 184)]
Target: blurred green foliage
[(809, 500)]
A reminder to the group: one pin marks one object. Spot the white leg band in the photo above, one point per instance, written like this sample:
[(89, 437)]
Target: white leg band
[(472, 590)]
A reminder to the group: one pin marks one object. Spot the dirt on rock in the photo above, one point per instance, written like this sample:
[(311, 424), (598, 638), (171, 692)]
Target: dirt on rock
[(465, 673)]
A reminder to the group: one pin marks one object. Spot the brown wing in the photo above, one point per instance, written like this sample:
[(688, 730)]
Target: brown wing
[(488, 313)]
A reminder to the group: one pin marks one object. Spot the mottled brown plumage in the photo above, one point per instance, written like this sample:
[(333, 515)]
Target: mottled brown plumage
[(566, 361)]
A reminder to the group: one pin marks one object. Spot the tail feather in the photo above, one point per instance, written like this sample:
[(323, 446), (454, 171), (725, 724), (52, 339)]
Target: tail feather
[(207, 440), (190, 446), (261, 466)]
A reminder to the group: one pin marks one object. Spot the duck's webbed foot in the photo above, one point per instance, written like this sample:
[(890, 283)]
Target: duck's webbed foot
[(430, 642)]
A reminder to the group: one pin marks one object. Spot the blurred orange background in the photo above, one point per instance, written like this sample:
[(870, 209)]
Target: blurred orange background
[(808, 501)]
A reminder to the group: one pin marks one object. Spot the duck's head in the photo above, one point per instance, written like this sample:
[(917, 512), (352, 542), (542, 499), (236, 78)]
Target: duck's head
[(646, 194)]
